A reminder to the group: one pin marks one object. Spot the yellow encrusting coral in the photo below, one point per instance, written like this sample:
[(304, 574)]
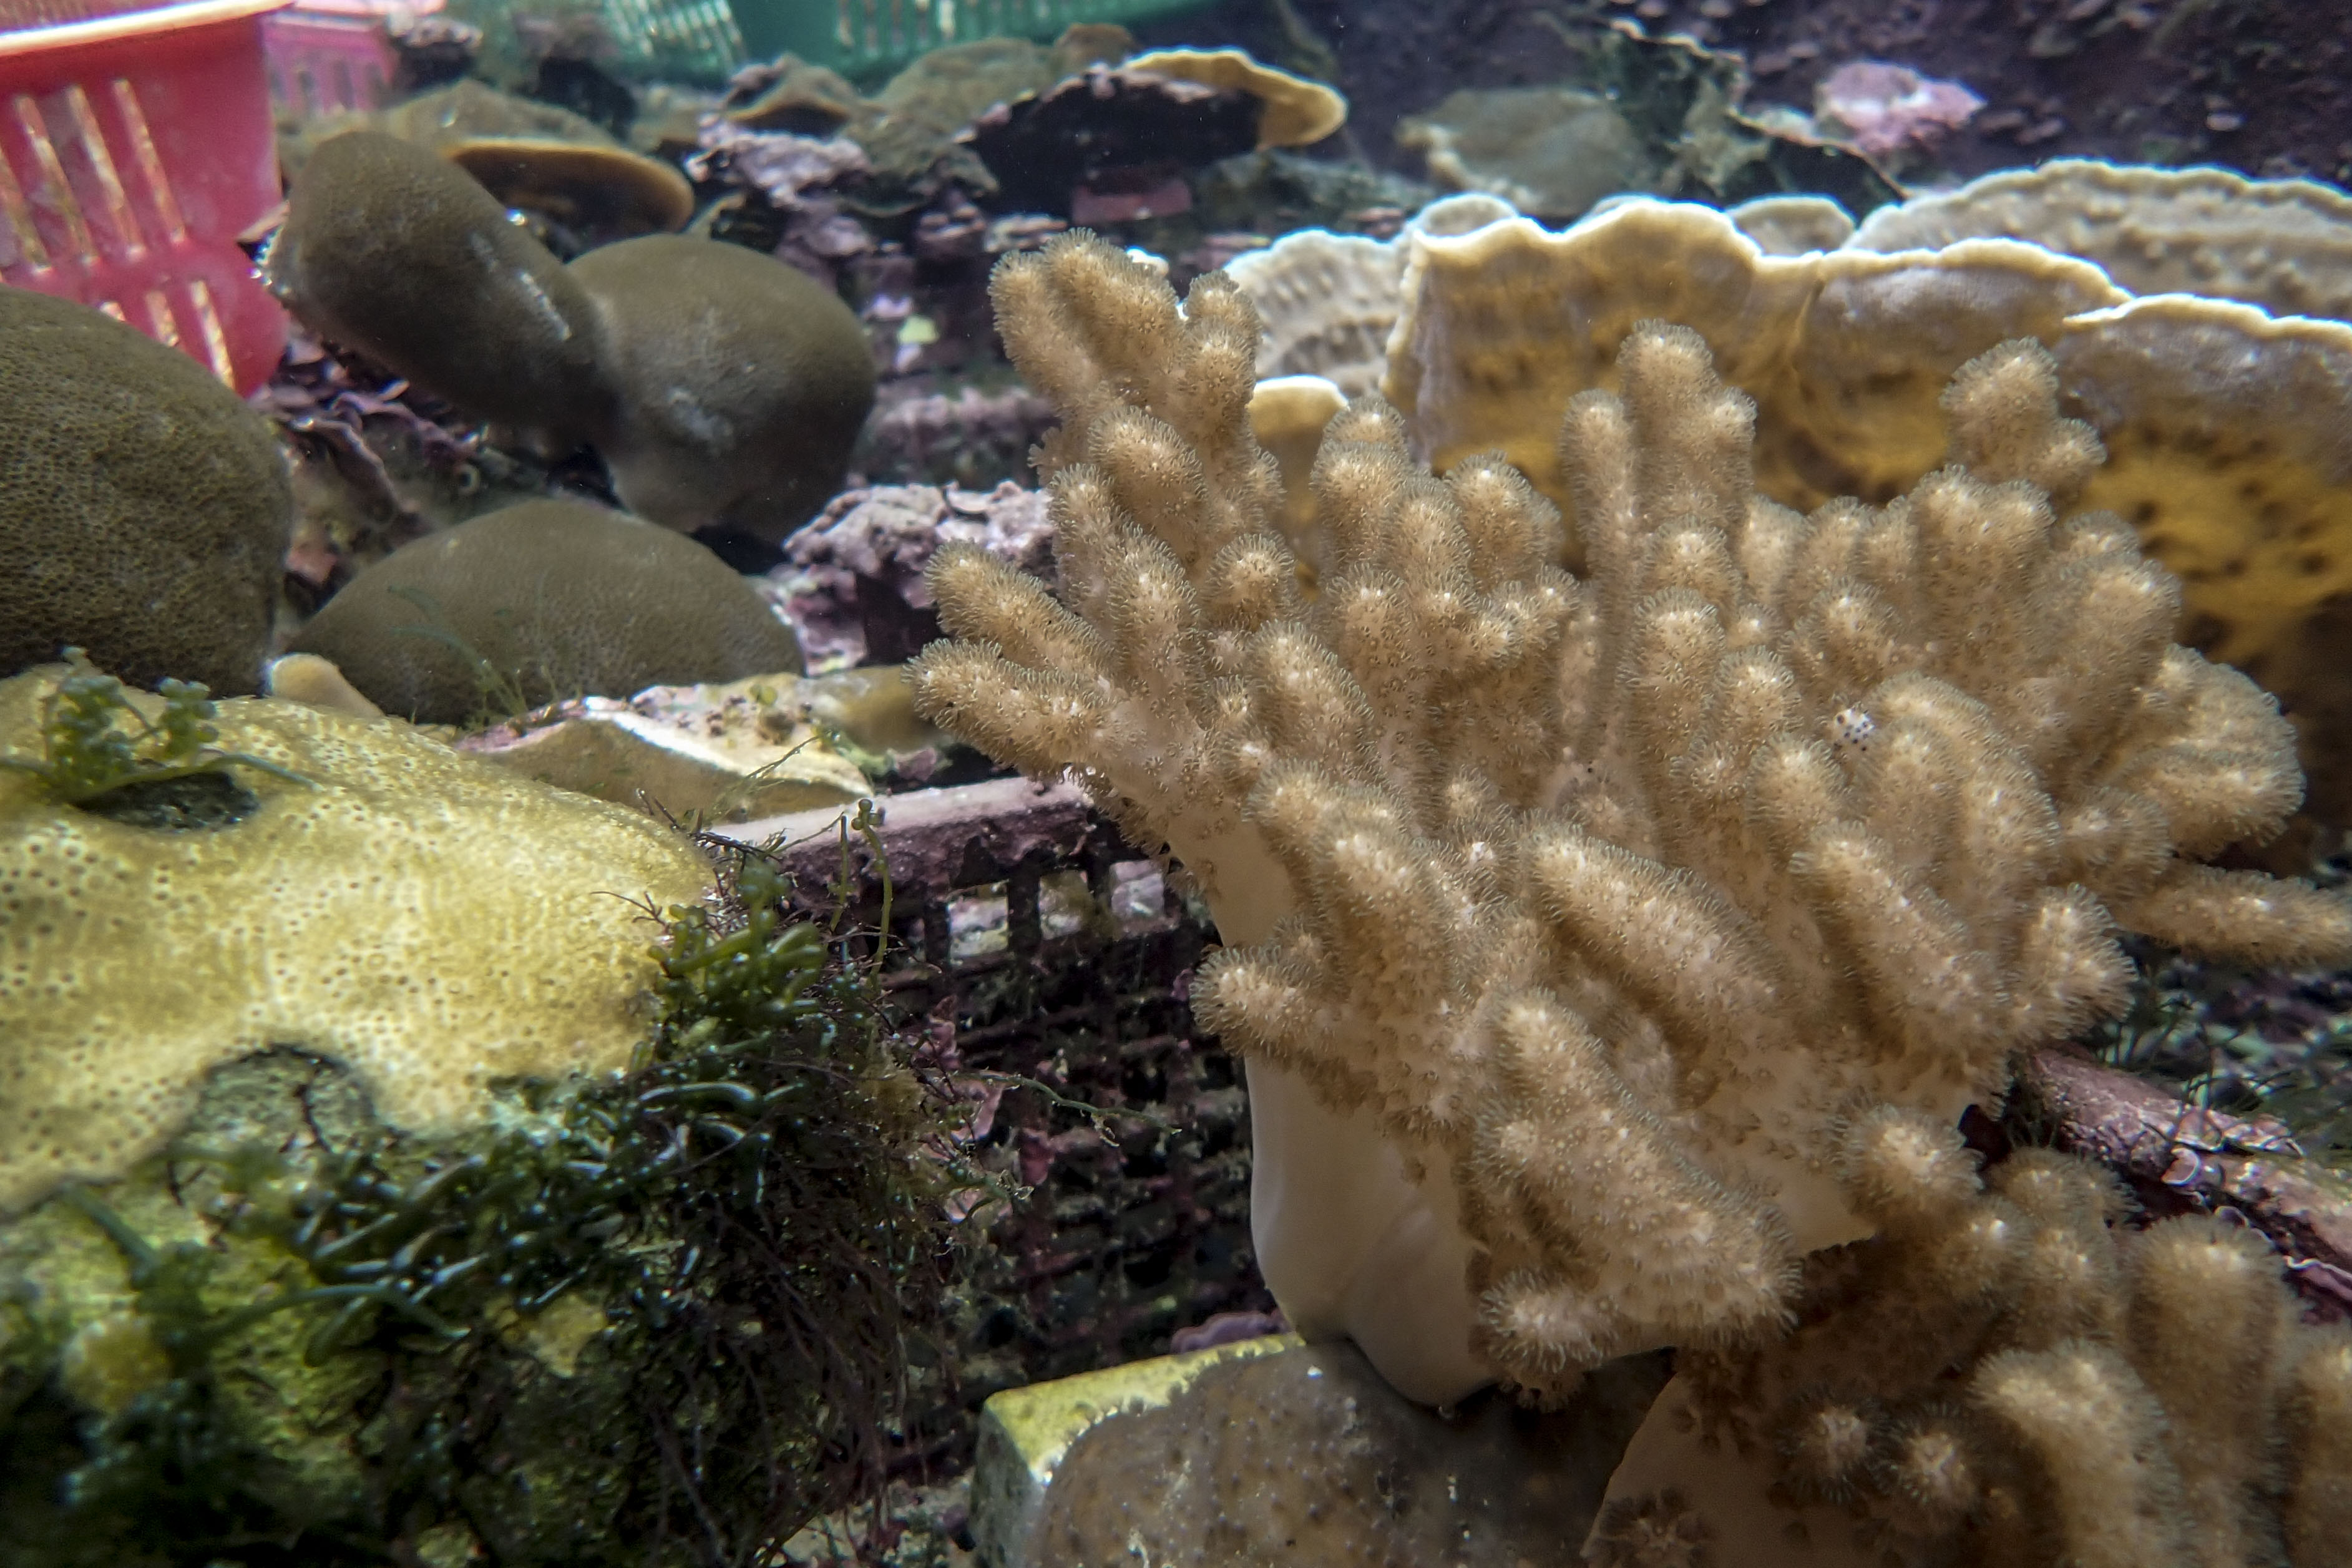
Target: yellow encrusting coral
[(1569, 921), (431, 921)]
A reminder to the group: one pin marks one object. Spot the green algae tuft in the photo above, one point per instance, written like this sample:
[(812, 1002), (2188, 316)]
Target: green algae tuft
[(661, 1317)]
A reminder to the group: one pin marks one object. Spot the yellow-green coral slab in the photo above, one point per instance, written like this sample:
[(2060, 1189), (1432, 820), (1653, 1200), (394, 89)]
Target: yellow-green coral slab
[(434, 922), (2285, 245), (1845, 353), (1024, 1433)]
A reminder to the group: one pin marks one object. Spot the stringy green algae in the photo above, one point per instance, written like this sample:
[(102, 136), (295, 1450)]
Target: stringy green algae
[(660, 1319)]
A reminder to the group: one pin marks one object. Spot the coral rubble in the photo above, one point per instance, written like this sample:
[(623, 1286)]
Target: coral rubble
[(715, 752), (1569, 921), (852, 578), (1301, 1455)]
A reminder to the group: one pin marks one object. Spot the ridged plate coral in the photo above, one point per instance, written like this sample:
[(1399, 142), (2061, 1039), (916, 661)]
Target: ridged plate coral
[(2226, 430)]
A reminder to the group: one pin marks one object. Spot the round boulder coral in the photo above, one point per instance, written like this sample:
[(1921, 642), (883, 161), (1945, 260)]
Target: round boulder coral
[(392, 250), (741, 381), (143, 508), (539, 601)]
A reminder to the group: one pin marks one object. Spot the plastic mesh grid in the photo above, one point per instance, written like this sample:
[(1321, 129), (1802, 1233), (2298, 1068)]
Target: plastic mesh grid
[(860, 36), (1041, 946)]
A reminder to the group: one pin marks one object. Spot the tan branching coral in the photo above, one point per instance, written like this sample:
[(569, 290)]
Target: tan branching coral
[(2010, 1375), (1570, 921)]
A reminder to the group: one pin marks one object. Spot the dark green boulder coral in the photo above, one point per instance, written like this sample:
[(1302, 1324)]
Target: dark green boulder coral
[(742, 382), (539, 601), (144, 509), (390, 249), (720, 385)]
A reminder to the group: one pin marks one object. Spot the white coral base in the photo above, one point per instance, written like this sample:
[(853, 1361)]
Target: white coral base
[(1353, 1246)]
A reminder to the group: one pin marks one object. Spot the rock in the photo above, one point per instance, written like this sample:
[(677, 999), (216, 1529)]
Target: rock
[(727, 752), (853, 581), (1272, 1450)]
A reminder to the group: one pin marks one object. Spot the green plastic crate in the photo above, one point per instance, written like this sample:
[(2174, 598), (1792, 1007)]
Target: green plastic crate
[(692, 41), (865, 37)]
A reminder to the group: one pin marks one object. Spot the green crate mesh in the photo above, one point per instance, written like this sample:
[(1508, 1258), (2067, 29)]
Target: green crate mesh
[(692, 41), (861, 37)]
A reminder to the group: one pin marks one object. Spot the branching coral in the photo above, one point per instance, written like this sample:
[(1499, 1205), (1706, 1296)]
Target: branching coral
[(1569, 920), (2008, 1375)]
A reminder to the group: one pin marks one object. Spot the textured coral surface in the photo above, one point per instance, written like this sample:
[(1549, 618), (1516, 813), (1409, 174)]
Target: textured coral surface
[(431, 921), (143, 509), (1569, 919)]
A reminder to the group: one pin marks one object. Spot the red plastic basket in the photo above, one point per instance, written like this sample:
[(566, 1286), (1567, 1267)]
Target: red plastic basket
[(331, 56), (135, 147)]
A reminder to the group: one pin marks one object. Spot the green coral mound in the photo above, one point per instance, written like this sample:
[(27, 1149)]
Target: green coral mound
[(539, 601), (723, 386), (742, 382), (391, 249), (661, 1318), (144, 509)]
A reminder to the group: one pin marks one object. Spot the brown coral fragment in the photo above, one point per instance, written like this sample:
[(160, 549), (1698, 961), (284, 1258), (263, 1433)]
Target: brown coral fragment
[(1108, 129), (1297, 113), (590, 189), (1569, 921)]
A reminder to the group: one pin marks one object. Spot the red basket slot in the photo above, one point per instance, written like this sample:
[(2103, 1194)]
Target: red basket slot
[(324, 62), (134, 151)]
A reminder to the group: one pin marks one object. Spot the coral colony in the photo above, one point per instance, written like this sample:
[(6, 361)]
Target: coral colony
[(1603, 946), (1628, 669)]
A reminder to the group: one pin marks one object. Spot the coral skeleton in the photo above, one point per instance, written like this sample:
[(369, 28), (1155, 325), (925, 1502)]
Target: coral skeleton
[(1572, 921)]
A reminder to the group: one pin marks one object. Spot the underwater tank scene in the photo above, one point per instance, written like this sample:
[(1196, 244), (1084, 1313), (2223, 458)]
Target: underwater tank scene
[(1127, 784)]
